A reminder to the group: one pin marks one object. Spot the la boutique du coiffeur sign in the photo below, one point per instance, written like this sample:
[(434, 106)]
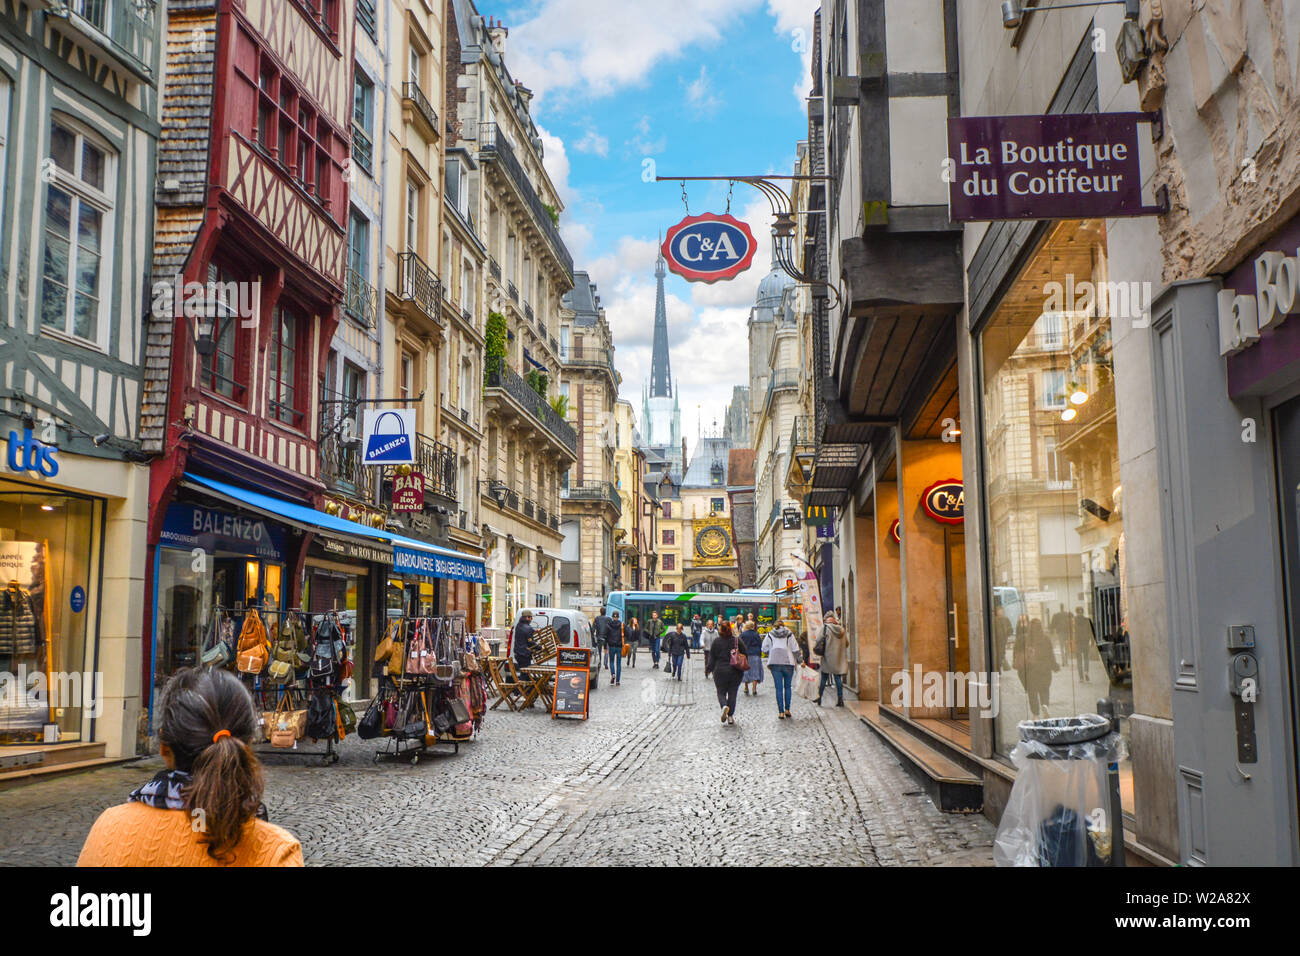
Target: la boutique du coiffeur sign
[(709, 247), (1058, 166)]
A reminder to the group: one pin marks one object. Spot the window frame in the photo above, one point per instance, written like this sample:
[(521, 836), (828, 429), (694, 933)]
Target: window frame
[(219, 271), (104, 203), (276, 408)]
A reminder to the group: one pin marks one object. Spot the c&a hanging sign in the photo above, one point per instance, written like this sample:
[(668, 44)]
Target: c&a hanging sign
[(945, 501), (709, 247)]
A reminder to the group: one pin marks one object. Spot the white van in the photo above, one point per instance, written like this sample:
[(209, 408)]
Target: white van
[(571, 629)]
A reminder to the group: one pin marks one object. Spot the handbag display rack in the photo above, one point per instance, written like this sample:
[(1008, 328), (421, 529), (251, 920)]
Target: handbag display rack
[(298, 688), (424, 699)]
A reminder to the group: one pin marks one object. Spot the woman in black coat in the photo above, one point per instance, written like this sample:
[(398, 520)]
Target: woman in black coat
[(726, 679), (631, 640)]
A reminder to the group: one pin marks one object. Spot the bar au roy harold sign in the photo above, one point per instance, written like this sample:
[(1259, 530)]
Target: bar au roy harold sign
[(1058, 166)]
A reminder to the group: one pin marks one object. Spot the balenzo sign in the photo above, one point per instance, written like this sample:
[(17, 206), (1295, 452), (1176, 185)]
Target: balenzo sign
[(709, 247), (1058, 166)]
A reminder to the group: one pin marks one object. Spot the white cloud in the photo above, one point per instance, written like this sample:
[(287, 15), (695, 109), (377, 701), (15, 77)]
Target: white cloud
[(594, 47), (593, 142), (643, 144), (794, 19), (556, 160), (700, 96)]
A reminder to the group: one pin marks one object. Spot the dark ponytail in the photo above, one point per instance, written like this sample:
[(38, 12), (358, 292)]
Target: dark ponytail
[(208, 722)]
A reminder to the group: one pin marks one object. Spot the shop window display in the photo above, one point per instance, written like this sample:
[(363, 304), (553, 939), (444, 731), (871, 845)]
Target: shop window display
[(45, 568), (1059, 634)]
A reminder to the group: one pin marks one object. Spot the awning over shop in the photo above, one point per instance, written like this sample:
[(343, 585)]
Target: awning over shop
[(409, 555)]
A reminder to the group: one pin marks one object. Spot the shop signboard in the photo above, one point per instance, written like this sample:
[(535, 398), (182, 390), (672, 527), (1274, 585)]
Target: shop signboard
[(388, 437), (810, 598), (356, 551), (408, 492), (192, 526), (790, 519), (430, 564), (572, 680), (1057, 166), (709, 247), (826, 529), (894, 532), (945, 501)]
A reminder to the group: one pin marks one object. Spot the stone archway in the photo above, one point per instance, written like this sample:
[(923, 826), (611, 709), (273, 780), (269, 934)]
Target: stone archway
[(712, 584)]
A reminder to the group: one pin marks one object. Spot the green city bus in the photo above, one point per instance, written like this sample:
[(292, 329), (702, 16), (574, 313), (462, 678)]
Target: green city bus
[(681, 606)]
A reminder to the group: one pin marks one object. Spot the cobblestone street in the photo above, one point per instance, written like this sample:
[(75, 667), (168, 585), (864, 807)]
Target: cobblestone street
[(651, 778)]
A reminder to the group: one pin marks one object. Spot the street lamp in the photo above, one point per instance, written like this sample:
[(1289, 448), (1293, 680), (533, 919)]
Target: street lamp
[(1013, 12)]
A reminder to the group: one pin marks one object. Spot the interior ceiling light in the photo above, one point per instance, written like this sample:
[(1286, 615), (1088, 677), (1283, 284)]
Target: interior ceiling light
[(1069, 414), (1078, 396)]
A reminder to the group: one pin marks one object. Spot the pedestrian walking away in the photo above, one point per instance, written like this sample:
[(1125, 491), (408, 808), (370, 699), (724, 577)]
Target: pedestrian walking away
[(783, 656), (721, 665), (205, 731), (834, 650), (614, 641), (600, 630), (632, 640), (697, 629), (1083, 640), (753, 648), (679, 649)]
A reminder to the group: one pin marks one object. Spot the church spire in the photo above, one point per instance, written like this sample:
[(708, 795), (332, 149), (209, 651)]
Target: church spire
[(661, 380)]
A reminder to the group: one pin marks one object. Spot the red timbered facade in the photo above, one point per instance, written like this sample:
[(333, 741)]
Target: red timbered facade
[(253, 204)]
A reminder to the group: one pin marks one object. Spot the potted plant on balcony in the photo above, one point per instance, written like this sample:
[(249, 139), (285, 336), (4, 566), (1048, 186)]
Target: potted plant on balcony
[(494, 349)]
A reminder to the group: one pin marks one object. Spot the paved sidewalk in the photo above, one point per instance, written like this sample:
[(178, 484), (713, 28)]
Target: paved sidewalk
[(652, 778)]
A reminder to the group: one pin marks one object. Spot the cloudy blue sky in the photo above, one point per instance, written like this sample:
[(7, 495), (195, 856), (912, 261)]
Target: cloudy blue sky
[(617, 82)]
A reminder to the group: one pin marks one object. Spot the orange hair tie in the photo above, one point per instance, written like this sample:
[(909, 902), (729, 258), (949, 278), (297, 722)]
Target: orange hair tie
[(219, 734)]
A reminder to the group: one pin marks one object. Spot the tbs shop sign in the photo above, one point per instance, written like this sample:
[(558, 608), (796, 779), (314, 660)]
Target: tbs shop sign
[(709, 247), (1061, 166)]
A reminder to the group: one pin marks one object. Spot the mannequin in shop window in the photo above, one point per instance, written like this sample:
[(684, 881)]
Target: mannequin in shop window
[(22, 647)]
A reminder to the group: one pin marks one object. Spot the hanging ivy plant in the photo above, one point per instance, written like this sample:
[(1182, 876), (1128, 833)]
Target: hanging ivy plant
[(494, 350)]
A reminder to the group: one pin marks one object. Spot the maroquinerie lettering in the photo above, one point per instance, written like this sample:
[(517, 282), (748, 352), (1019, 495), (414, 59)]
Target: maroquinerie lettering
[(1277, 294), (1073, 174)]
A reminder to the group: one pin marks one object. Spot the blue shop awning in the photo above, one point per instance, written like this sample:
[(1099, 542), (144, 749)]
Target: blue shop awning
[(410, 556)]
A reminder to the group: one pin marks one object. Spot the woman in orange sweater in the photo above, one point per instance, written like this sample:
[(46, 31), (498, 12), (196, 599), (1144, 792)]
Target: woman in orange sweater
[(206, 808)]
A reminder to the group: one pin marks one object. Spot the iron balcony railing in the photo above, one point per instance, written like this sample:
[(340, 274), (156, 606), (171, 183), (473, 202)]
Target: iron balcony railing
[(340, 451), (437, 463), (494, 267), (493, 145), (594, 491), (589, 358), (411, 91), (512, 291), (417, 283), (528, 311), (362, 301), (555, 523), (541, 514), (782, 378), (555, 346), (363, 150), (124, 27), (530, 508), (504, 378)]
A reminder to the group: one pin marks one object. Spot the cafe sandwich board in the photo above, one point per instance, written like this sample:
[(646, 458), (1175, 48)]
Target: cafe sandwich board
[(572, 682)]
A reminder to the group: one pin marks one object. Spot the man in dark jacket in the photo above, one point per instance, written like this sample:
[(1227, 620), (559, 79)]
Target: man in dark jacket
[(679, 648), (697, 628), (523, 641), (614, 643), (600, 630)]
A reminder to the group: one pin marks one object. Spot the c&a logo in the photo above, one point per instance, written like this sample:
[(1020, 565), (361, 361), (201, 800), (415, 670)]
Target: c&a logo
[(29, 454)]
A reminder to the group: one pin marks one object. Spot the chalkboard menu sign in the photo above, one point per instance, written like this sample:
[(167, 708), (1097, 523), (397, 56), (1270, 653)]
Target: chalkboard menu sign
[(572, 677)]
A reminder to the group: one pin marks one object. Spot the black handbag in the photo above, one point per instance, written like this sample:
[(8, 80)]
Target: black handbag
[(321, 721), (412, 726), (459, 711), (442, 723), (820, 647), (371, 724)]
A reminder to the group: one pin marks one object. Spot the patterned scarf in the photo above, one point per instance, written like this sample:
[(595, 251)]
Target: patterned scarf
[(166, 791)]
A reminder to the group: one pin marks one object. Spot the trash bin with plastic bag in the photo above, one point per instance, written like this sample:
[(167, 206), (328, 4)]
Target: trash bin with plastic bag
[(1061, 807)]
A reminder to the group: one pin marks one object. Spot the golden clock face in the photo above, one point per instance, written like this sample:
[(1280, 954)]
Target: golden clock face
[(712, 542)]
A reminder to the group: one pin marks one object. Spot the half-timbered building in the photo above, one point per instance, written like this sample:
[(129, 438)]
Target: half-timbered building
[(250, 274), (78, 133)]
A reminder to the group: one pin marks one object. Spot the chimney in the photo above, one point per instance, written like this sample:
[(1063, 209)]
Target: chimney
[(497, 34), (525, 94)]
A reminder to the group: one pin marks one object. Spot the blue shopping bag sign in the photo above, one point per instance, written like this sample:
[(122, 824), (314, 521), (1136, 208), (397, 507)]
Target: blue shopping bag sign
[(388, 437)]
